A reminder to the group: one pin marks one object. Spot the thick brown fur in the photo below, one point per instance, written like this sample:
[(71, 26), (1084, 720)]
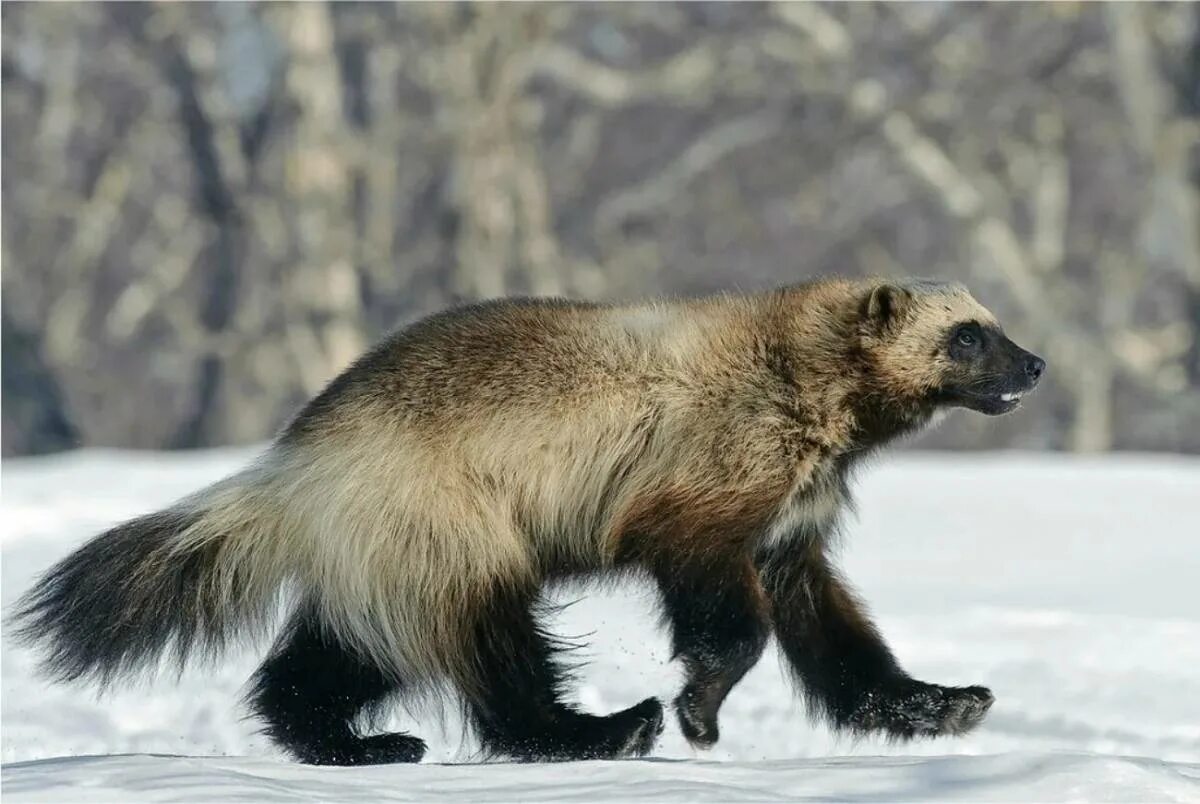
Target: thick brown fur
[(483, 451)]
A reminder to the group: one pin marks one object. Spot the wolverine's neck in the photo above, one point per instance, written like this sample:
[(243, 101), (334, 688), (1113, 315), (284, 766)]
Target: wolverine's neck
[(880, 421), (834, 377)]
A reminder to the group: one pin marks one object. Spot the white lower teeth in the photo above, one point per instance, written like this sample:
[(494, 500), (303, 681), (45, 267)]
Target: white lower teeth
[(1007, 397)]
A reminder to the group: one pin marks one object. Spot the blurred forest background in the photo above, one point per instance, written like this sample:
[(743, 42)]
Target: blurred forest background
[(210, 209)]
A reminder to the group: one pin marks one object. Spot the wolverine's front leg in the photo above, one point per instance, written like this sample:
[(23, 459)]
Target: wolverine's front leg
[(847, 671), (719, 625)]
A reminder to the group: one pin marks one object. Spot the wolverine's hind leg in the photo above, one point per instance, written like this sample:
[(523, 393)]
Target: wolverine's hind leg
[(311, 690), (514, 700)]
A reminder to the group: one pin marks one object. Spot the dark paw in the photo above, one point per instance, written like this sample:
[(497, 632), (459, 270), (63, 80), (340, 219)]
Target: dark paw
[(916, 709), (647, 718), (383, 749), (698, 724), (576, 735), (380, 749), (967, 708)]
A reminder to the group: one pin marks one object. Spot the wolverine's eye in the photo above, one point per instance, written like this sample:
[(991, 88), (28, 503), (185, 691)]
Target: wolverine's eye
[(966, 337)]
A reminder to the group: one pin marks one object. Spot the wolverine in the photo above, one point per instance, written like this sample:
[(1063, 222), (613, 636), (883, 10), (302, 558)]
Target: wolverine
[(410, 515)]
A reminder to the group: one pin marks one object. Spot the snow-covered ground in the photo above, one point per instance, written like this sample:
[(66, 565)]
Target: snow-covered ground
[(1068, 586)]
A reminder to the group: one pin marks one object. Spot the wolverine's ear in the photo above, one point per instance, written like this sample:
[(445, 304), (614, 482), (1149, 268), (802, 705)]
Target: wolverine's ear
[(885, 306)]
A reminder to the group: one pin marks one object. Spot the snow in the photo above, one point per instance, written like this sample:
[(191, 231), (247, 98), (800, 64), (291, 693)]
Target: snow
[(1067, 585), (1020, 776)]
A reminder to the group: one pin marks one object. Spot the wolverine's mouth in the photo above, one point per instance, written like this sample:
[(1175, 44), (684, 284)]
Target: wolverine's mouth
[(995, 404), (991, 403), (1007, 401)]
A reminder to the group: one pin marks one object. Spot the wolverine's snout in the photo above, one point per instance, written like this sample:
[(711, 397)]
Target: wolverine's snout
[(1025, 373), (1027, 368), (1034, 366), (990, 373)]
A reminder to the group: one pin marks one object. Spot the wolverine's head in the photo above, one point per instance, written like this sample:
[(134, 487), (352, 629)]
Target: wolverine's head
[(931, 344)]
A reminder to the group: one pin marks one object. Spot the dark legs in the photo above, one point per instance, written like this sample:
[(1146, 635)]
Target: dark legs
[(310, 691), (718, 628), (847, 672), (515, 698)]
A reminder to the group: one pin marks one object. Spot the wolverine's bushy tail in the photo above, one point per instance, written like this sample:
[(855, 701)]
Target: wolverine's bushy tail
[(169, 583)]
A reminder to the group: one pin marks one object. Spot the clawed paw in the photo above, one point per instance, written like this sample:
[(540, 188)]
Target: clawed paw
[(699, 727), (648, 720), (916, 709), (378, 749)]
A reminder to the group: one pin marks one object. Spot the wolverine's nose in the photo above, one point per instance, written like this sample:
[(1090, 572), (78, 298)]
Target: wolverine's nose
[(1034, 366)]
